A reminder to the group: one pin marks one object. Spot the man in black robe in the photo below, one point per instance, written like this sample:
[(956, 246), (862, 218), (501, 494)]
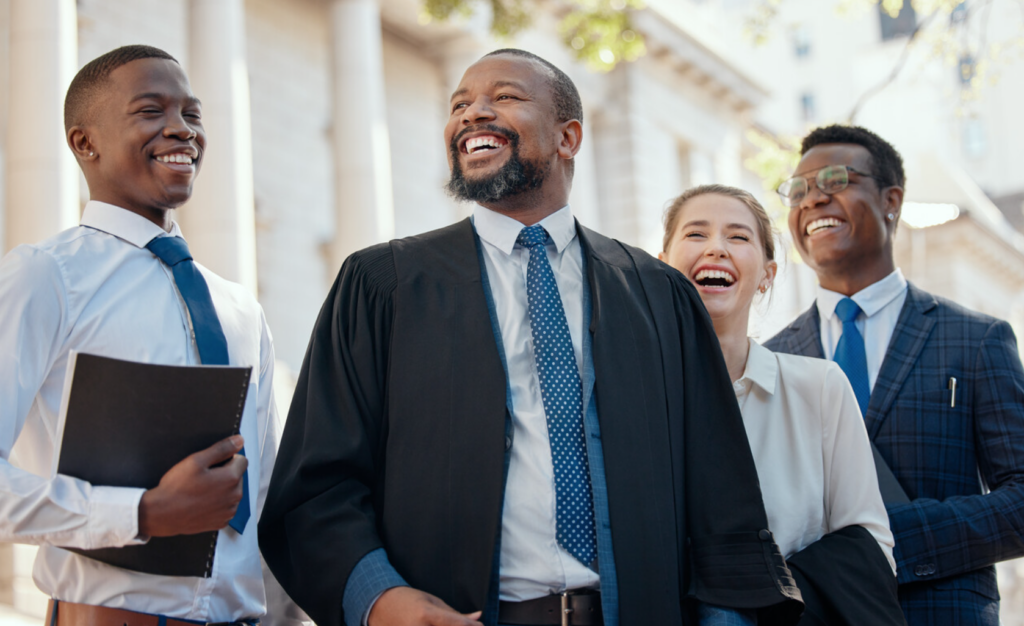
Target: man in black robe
[(398, 493)]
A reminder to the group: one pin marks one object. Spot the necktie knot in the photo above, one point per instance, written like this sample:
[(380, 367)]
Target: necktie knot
[(532, 236), (847, 310), (170, 250)]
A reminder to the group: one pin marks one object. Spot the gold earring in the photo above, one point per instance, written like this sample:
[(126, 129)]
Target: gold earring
[(763, 288)]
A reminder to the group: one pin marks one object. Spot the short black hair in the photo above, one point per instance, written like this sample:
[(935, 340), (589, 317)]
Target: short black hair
[(90, 78), (885, 160), (568, 105)]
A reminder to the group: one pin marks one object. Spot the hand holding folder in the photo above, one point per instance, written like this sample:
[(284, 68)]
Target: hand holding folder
[(197, 495), (163, 428)]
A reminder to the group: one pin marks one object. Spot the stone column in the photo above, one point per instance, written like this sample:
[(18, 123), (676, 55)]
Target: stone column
[(219, 220), (364, 205), (42, 176)]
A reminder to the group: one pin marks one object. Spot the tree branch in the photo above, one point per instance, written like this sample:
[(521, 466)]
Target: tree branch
[(902, 61)]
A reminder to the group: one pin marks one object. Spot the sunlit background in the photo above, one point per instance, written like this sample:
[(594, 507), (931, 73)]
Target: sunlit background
[(324, 121)]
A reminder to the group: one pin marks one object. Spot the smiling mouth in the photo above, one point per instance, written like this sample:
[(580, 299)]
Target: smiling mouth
[(178, 158), (714, 278), (483, 143), (821, 225)]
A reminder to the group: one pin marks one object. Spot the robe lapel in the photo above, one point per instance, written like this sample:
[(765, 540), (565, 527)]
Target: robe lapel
[(630, 395), (908, 339), (448, 382)]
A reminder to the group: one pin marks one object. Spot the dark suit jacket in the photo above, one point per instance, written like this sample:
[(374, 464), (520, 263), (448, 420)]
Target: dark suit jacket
[(396, 438), (949, 537)]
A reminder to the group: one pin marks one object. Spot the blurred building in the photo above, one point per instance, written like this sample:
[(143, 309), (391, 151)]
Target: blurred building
[(324, 122)]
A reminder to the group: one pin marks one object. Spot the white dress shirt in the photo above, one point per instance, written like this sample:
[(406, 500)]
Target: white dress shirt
[(532, 562), (811, 450), (880, 304), (97, 289)]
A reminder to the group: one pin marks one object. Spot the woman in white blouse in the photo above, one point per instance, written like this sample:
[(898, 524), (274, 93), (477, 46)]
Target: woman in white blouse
[(802, 419)]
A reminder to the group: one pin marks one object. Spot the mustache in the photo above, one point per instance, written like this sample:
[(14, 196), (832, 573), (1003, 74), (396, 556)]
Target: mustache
[(507, 133)]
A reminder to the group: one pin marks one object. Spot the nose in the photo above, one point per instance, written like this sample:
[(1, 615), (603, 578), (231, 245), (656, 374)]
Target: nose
[(478, 111), (813, 197), (177, 126), (716, 249)]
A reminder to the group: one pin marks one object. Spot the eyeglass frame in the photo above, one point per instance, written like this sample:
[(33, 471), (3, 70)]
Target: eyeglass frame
[(785, 198)]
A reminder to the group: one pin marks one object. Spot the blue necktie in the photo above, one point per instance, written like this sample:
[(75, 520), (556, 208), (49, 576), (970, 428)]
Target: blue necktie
[(850, 354), (562, 394), (213, 346)]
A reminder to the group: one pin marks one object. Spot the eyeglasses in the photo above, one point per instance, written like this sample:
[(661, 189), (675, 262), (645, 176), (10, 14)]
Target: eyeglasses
[(829, 180)]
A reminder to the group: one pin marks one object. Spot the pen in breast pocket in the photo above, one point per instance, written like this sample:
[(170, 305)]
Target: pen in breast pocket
[(952, 388)]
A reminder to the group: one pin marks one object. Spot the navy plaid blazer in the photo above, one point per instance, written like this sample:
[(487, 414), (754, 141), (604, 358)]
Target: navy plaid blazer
[(962, 466)]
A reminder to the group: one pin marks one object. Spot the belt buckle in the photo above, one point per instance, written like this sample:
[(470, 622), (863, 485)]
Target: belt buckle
[(566, 611)]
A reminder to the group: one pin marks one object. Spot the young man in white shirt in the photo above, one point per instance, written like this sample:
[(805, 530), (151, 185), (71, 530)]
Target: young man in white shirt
[(135, 128)]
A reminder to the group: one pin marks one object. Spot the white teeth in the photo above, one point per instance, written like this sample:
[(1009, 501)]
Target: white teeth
[(825, 222), (477, 143), (175, 158), (708, 274)]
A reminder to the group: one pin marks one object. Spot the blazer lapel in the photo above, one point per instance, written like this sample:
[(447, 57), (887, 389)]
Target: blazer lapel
[(805, 338), (908, 339)]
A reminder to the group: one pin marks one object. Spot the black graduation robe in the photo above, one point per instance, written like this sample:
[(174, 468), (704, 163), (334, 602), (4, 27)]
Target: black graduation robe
[(845, 580), (396, 439)]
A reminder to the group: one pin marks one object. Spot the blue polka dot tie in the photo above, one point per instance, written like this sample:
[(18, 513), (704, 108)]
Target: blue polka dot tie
[(562, 394), (850, 353), (210, 340)]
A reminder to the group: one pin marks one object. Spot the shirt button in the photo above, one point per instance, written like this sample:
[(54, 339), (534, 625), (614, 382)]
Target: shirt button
[(508, 442), (764, 535)]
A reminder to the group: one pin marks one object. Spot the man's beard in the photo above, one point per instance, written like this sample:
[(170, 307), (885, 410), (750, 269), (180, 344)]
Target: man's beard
[(516, 176)]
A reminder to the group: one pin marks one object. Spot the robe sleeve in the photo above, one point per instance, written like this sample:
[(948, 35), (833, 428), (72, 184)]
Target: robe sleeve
[(319, 521), (734, 560)]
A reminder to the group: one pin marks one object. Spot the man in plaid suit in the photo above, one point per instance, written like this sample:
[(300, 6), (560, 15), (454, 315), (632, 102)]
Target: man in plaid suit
[(941, 387)]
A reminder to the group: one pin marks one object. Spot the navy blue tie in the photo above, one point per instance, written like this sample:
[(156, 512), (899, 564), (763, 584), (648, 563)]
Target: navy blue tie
[(562, 394), (213, 346), (850, 353)]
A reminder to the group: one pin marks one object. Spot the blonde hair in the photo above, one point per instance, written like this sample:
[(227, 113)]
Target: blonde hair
[(764, 223)]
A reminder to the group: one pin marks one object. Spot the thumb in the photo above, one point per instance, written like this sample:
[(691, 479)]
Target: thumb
[(219, 452)]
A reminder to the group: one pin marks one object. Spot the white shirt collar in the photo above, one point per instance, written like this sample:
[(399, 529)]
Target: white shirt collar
[(123, 224), (870, 299), (762, 367), (501, 231)]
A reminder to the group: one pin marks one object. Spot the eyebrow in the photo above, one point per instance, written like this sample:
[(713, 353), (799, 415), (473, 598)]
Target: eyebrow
[(497, 83), (154, 95), (705, 223)]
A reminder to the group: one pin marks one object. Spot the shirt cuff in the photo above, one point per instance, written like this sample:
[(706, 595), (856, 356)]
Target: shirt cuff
[(114, 517), (711, 615), (371, 577)]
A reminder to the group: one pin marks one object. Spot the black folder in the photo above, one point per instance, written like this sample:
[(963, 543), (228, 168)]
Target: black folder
[(126, 423)]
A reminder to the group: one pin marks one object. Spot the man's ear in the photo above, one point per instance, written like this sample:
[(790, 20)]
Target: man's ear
[(893, 197), (81, 144), (572, 137)]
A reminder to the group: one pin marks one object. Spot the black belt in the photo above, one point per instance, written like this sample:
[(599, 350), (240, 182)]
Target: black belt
[(572, 608)]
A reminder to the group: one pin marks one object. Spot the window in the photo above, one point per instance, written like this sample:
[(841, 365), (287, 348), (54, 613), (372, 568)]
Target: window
[(900, 26), (975, 141), (966, 69), (959, 14), (802, 42), (808, 111)]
